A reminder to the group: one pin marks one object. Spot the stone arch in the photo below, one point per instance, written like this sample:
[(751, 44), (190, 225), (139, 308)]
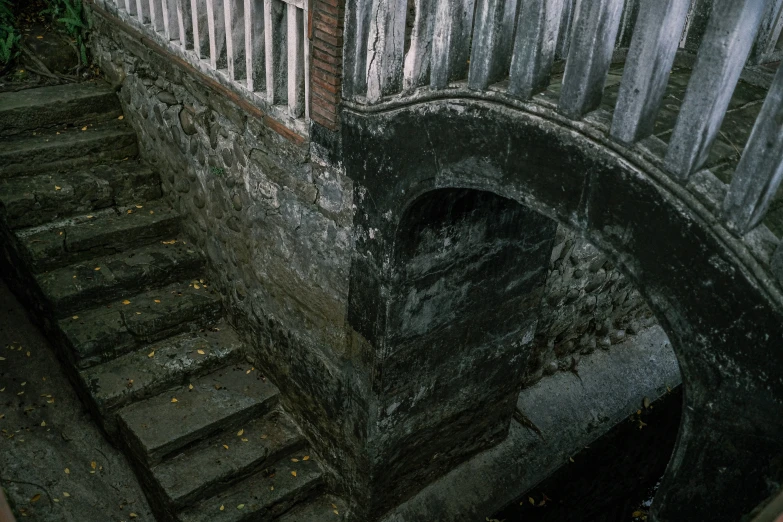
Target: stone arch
[(721, 312)]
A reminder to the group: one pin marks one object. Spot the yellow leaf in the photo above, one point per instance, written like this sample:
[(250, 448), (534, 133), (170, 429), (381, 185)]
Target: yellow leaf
[(222, 507), (306, 457), (57, 188), (157, 300), (293, 473), (241, 506), (97, 268), (39, 37), (225, 446), (240, 432), (530, 499), (152, 211), (271, 488), (336, 512), (636, 514), (169, 242), (174, 399), (66, 494), (126, 302), (294, 460), (264, 436), (139, 206), (196, 286), (36, 497), (84, 128), (571, 459), (130, 211), (93, 464), (334, 506), (120, 117), (138, 313), (75, 317), (89, 217), (151, 354), (67, 471), (43, 423), (244, 439), (190, 386), (132, 515), (200, 352)]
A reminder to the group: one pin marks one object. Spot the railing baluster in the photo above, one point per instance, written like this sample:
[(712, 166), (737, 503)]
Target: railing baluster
[(417, 60), (269, 63), (275, 28), (486, 33), (217, 34), (143, 11), (651, 54), (534, 47), (451, 41), (385, 48), (130, 7), (200, 28), (306, 64), (760, 170), (255, 45), (590, 54), (156, 14), (185, 23), (235, 38), (357, 24), (727, 40), (769, 32), (295, 61), (170, 22), (564, 34)]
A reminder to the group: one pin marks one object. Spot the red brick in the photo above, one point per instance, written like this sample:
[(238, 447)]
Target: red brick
[(330, 69), (332, 79), (328, 38), (331, 88), (326, 57), (326, 8), (328, 19), (326, 109), (328, 28), (327, 47), (328, 96)]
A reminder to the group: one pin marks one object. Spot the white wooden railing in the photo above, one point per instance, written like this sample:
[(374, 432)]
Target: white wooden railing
[(258, 46)]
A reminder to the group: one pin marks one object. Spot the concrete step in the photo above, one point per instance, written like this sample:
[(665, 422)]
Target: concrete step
[(66, 149), (322, 509), (227, 458), (79, 285), (76, 104), (263, 496), (223, 400), (34, 200), (103, 333), (101, 233), (136, 376)]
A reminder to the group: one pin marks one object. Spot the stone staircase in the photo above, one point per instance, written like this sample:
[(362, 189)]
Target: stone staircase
[(88, 239)]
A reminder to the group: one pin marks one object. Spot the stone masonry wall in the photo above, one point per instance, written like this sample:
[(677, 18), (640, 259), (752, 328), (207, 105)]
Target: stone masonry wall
[(588, 304), (274, 223)]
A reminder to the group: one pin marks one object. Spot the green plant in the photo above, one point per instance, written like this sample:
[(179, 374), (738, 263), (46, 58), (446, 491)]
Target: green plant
[(217, 171), (9, 37), (75, 18)]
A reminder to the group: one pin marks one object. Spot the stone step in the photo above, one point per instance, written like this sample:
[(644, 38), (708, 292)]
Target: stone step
[(101, 233), (223, 400), (263, 496), (176, 360), (227, 458), (66, 149), (79, 285), (322, 509), (103, 333), (34, 200), (77, 104)]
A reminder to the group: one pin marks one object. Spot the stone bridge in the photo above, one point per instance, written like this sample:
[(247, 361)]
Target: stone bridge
[(377, 186)]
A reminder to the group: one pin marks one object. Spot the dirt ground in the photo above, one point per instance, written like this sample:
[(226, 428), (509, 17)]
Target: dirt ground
[(55, 464)]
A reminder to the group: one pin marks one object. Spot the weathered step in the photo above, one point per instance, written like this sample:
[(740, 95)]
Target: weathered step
[(103, 333), (222, 400), (76, 104), (227, 458), (102, 233), (66, 149), (35, 200), (79, 285), (174, 361), (322, 509), (262, 496)]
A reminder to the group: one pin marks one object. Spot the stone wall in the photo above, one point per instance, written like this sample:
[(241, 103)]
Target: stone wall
[(588, 304)]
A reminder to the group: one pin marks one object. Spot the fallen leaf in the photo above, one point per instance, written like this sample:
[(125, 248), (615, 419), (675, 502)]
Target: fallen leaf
[(264, 436), (241, 506), (174, 399), (90, 217), (132, 515), (126, 302), (196, 286), (39, 37), (151, 354), (43, 423), (244, 439), (97, 268), (334, 506), (222, 507), (120, 117), (75, 317), (130, 211), (336, 512), (169, 242), (240, 432), (67, 471), (636, 514), (225, 446), (200, 352), (66, 494), (306, 457), (93, 464), (157, 300), (36, 497), (530, 499), (57, 188), (84, 128), (190, 386), (571, 459), (293, 473), (271, 488), (139, 206), (294, 460)]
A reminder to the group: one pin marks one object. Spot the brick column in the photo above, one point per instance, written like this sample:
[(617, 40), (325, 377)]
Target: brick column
[(326, 32)]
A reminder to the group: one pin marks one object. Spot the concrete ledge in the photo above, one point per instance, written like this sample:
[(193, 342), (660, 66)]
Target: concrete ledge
[(570, 413)]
